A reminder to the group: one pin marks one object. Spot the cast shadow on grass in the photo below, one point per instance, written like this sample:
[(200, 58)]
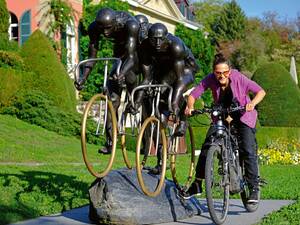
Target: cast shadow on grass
[(36, 193)]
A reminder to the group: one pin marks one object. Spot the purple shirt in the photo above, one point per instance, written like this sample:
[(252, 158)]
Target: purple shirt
[(240, 86)]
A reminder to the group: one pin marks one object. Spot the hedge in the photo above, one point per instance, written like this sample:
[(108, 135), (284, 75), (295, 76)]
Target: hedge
[(4, 17), (11, 60), (281, 106), (51, 77), (13, 82)]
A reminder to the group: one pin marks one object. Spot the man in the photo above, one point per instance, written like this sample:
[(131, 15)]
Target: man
[(165, 59), (123, 30), (229, 86), (144, 27)]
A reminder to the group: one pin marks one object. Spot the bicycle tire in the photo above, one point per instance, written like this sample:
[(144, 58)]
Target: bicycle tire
[(124, 140), (95, 103), (214, 169), (141, 164), (190, 143)]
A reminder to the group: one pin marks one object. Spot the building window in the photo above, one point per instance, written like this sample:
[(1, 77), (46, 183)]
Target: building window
[(25, 27), (182, 8), (71, 47), (13, 29)]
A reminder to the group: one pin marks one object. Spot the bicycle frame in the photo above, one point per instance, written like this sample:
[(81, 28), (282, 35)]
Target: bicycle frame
[(157, 88), (155, 101)]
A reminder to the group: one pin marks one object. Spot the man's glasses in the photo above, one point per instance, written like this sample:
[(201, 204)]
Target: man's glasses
[(220, 73)]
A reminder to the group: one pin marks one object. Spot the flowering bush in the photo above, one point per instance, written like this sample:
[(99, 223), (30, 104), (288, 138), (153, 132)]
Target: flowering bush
[(280, 152)]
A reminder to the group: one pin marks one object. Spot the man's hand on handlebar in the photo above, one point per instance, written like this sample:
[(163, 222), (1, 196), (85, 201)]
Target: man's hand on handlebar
[(250, 107), (120, 78), (79, 84), (133, 110), (188, 111)]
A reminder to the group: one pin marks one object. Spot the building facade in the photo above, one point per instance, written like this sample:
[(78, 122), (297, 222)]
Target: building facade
[(168, 12), (27, 16)]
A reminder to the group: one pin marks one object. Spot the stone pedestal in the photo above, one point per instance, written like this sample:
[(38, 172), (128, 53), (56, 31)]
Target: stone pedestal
[(118, 199)]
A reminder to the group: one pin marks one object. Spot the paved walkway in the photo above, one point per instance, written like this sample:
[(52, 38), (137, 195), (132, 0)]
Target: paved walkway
[(237, 215)]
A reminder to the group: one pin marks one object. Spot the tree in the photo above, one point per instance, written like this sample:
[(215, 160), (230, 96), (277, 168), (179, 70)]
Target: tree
[(298, 21), (61, 15), (4, 17), (230, 24), (201, 49), (207, 11), (252, 49)]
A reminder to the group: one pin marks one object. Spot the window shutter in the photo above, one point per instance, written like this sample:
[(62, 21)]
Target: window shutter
[(25, 28)]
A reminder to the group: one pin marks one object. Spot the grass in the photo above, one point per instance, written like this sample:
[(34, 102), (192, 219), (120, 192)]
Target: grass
[(29, 191)]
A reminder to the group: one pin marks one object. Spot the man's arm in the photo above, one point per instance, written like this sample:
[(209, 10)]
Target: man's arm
[(92, 53), (132, 28), (94, 35), (178, 54), (257, 99)]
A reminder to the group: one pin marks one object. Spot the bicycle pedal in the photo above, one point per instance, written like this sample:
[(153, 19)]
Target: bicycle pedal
[(262, 182)]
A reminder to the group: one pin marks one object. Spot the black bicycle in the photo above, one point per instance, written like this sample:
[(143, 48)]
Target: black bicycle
[(224, 171)]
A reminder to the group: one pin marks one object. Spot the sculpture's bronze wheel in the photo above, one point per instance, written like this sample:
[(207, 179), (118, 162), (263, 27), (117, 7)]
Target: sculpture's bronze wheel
[(128, 138), (188, 144), (154, 134), (94, 130)]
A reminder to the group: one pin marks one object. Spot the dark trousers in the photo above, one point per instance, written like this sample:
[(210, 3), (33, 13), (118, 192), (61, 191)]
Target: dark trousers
[(247, 150)]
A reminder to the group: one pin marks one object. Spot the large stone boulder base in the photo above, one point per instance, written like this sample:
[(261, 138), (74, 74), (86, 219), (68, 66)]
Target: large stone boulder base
[(118, 199)]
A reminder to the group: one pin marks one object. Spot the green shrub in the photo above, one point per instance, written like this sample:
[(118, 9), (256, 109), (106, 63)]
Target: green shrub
[(11, 60), (13, 82), (38, 108), (52, 78), (6, 44), (281, 106), (4, 17)]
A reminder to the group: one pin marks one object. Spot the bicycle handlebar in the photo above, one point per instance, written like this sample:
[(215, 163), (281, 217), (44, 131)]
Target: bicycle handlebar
[(119, 62), (159, 86), (217, 110)]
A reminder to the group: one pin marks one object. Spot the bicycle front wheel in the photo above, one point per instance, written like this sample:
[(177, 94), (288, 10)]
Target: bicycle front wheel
[(99, 127), (151, 138), (217, 185)]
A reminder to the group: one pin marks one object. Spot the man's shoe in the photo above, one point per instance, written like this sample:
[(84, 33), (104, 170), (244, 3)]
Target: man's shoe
[(156, 170), (180, 129), (253, 197), (194, 190), (105, 150)]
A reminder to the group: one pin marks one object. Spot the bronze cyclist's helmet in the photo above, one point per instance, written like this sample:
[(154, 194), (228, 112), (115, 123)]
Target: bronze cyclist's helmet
[(106, 20), (142, 19), (157, 35)]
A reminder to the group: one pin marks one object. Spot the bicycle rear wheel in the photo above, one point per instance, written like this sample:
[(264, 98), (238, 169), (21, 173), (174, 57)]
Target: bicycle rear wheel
[(128, 135), (189, 158), (154, 134), (217, 185), (95, 128)]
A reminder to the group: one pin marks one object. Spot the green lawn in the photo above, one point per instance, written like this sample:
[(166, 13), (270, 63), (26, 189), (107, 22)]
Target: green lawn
[(29, 191)]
